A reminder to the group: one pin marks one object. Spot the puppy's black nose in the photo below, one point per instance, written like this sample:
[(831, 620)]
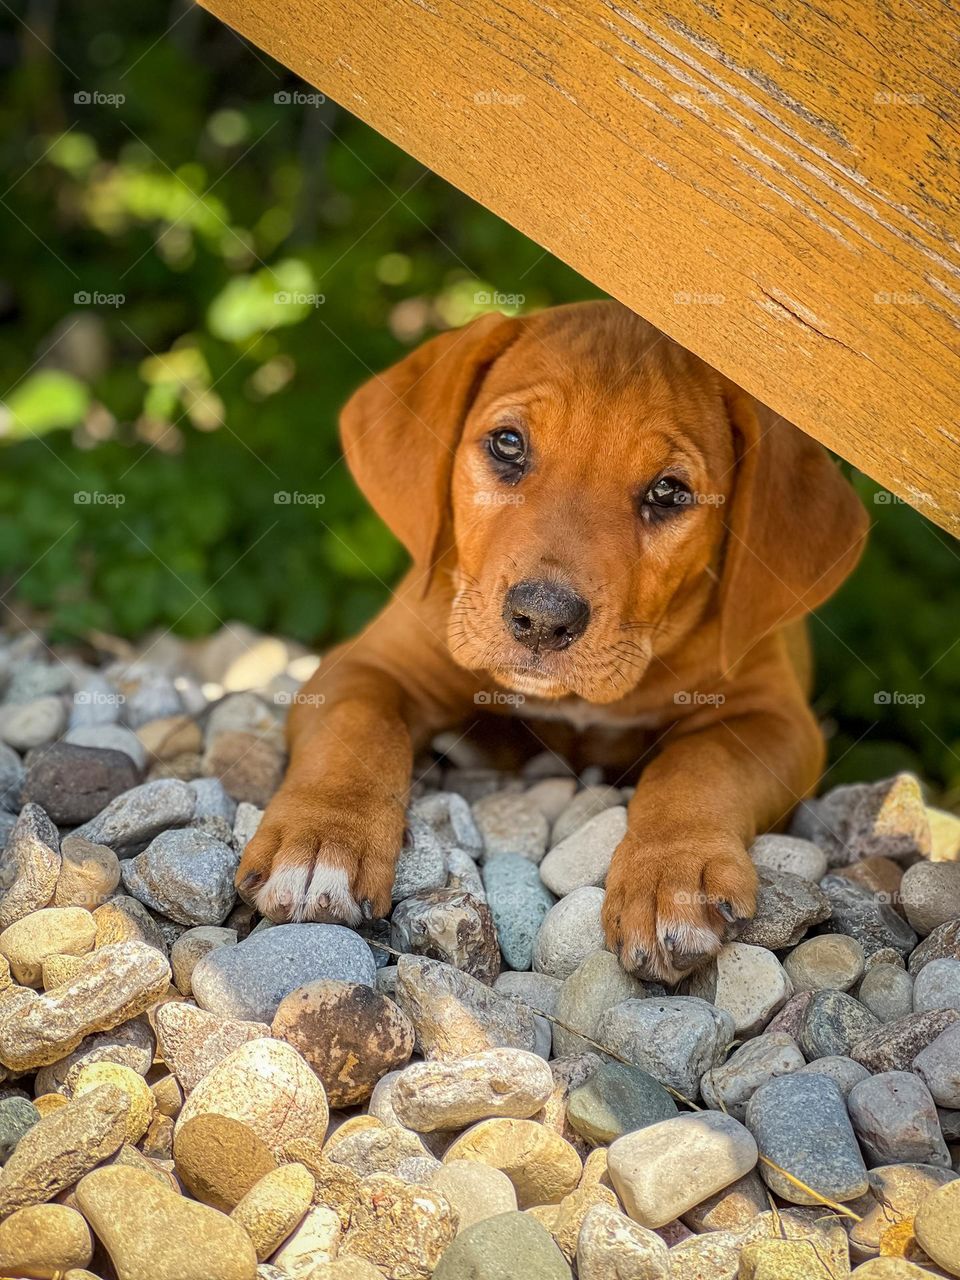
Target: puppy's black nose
[(544, 615)]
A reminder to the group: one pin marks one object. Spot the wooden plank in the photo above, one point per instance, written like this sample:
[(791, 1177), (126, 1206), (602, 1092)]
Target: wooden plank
[(776, 187)]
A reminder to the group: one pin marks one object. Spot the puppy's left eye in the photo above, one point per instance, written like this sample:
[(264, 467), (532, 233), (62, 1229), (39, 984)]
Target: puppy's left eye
[(507, 445), (668, 492)]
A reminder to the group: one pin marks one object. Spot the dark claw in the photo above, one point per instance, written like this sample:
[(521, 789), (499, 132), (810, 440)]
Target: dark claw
[(248, 884), (727, 911), (366, 909)]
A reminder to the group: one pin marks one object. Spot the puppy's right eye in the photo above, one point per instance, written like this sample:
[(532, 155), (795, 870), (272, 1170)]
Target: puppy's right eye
[(507, 445)]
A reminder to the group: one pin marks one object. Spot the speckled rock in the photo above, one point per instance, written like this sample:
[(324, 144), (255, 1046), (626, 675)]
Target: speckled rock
[(832, 961), (44, 1240), (89, 873), (519, 902), (27, 942), (887, 991), (895, 1045), (402, 1230), (511, 823), (274, 1206), (141, 813), (451, 1095), (124, 919), (117, 983), (541, 1165), (463, 873), (938, 1065), (348, 1033), (675, 1038), (570, 932), (937, 986), (800, 1123), (140, 1101), (790, 1018), (665, 1169), (896, 1193), (73, 784), (130, 1044), (864, 915), (474, 1191), (369, 1148), (455, 1015), (584, 857), (448, 925), (249, 980), (937, 1226), (266, 1085), (598, 983), (611, 1246), (192, 1041), (942, 944), (421, 866), (747, 982), (219, 1159), (62, 1147), (186, 875), (895, 1119), (833, 1023), (788, 853), (712, 1257), (787, 906), (732, 1209), (930, 892), (450, 817), (151, 1233), (842, 1070), (730, 1086), (17, 1115), (33, 850), (190, 948), (615, 1100)]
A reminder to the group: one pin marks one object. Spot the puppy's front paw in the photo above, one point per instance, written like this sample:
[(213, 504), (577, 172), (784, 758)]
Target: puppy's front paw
[(668, 910), (316, 860)]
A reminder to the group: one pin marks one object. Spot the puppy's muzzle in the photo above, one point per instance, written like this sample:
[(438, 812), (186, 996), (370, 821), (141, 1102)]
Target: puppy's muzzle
[(544, 615)]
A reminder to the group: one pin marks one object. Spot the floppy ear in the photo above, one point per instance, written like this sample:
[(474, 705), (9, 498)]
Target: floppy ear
[(795, 528), (401, 429)]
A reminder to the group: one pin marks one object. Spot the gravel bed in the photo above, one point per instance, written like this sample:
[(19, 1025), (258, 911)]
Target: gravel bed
[(474, 1088)]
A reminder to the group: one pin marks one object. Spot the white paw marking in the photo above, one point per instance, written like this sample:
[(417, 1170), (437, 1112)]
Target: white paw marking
[(688, 939), (295, 893)]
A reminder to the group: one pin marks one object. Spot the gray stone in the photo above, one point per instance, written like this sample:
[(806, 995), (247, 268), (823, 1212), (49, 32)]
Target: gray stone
[(148, 694), (596, 985), (455, 1015), (12, 774), (463, 873), (503, 1247), (31, 680), (33, 855), (585, 805), (930, 894), (830, 962), (615, 1100), (25, 725), (248, 981), (538, 991), (800, 1123), (748, 982), (448, 925), (730, 1086), (72, 784), (675, 1038), (662, 1171), (138, 815), (17, 1115), (95, 702), (787, 906), (421, 866), (511, 823), (938, 1065), (449, 815), (570, 932), (788, 853), (184, 874), (552, 795), (833, 1023), (213, 801), (895, 1118), (894, 1045), (937, 986), (584, 857), (861, 913), (242, 713), (887, 992), (519, 903), (110, 737), (843, 1071), (942, 944), (245, 824)]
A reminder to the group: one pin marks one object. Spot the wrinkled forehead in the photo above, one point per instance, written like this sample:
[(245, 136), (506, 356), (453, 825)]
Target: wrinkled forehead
[(599, 373)]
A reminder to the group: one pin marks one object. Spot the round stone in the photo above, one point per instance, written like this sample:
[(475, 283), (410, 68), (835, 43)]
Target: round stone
[(274, 1205), (832, 961), (895, 1119), (661, 1171), (541, 1165), (451, 1095), (615, 1100), (865, 915), (502, 1248), (136, 816), (51, 931), (192, 1041), (89, 873), (842, 1070), (511, 822), (887, 991), (72, 784), (747, 982), (190, 948), (787, 906), (938, 1066), (937, 1226), (570, 932), (141, 1101), (586, 804), (942, 944), (731, 1085), (518, 901), (675, 1038), (896, 1193), (930, 892), (937, 986), (597, 984), (789, 853), (248, 981), (350, 1035), (610, 1246), (584, 857), (219, 1159), (474, 1191), (833, 1023), (44, 1240), (31, 724)]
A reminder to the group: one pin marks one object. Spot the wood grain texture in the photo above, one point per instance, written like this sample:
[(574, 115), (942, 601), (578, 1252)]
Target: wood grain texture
[(775, 186)]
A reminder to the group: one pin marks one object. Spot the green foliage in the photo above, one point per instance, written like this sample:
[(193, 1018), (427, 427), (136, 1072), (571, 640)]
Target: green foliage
[(193, 281)]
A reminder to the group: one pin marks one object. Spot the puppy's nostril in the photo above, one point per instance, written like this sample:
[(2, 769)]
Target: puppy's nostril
[(522, 622), (545, 615)]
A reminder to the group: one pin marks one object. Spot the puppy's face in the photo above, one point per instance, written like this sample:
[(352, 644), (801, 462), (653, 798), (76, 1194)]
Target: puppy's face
[(588, 493)]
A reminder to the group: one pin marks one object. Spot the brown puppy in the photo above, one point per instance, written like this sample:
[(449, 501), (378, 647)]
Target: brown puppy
[(604, 525)]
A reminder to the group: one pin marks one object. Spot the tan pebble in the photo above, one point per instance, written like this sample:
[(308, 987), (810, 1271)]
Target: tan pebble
[(274, 1206), (151, 1233), (890, 1269), (267, 1085), (335, 1185), (192, 1041), (595, 1172), (475, 1191), (168, 1095), (451, 1095), (60, 969), (157, 1142), (190, 948), (571, 1212), (316, 1240), (781, 1260), (49, 1102), (219, 1159), (171, 736), (545, 1214), (568, 1074), (937, 1226), (92, 1075), (124, 919), (52, 931), (43, 1240), (355, 1124), (186, 766), (346, 1268), (89, 873), (610, 1245), (542, 1166), (402, 1230)]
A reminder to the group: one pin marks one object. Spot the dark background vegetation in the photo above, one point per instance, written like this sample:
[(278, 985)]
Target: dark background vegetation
[(184, 408)]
